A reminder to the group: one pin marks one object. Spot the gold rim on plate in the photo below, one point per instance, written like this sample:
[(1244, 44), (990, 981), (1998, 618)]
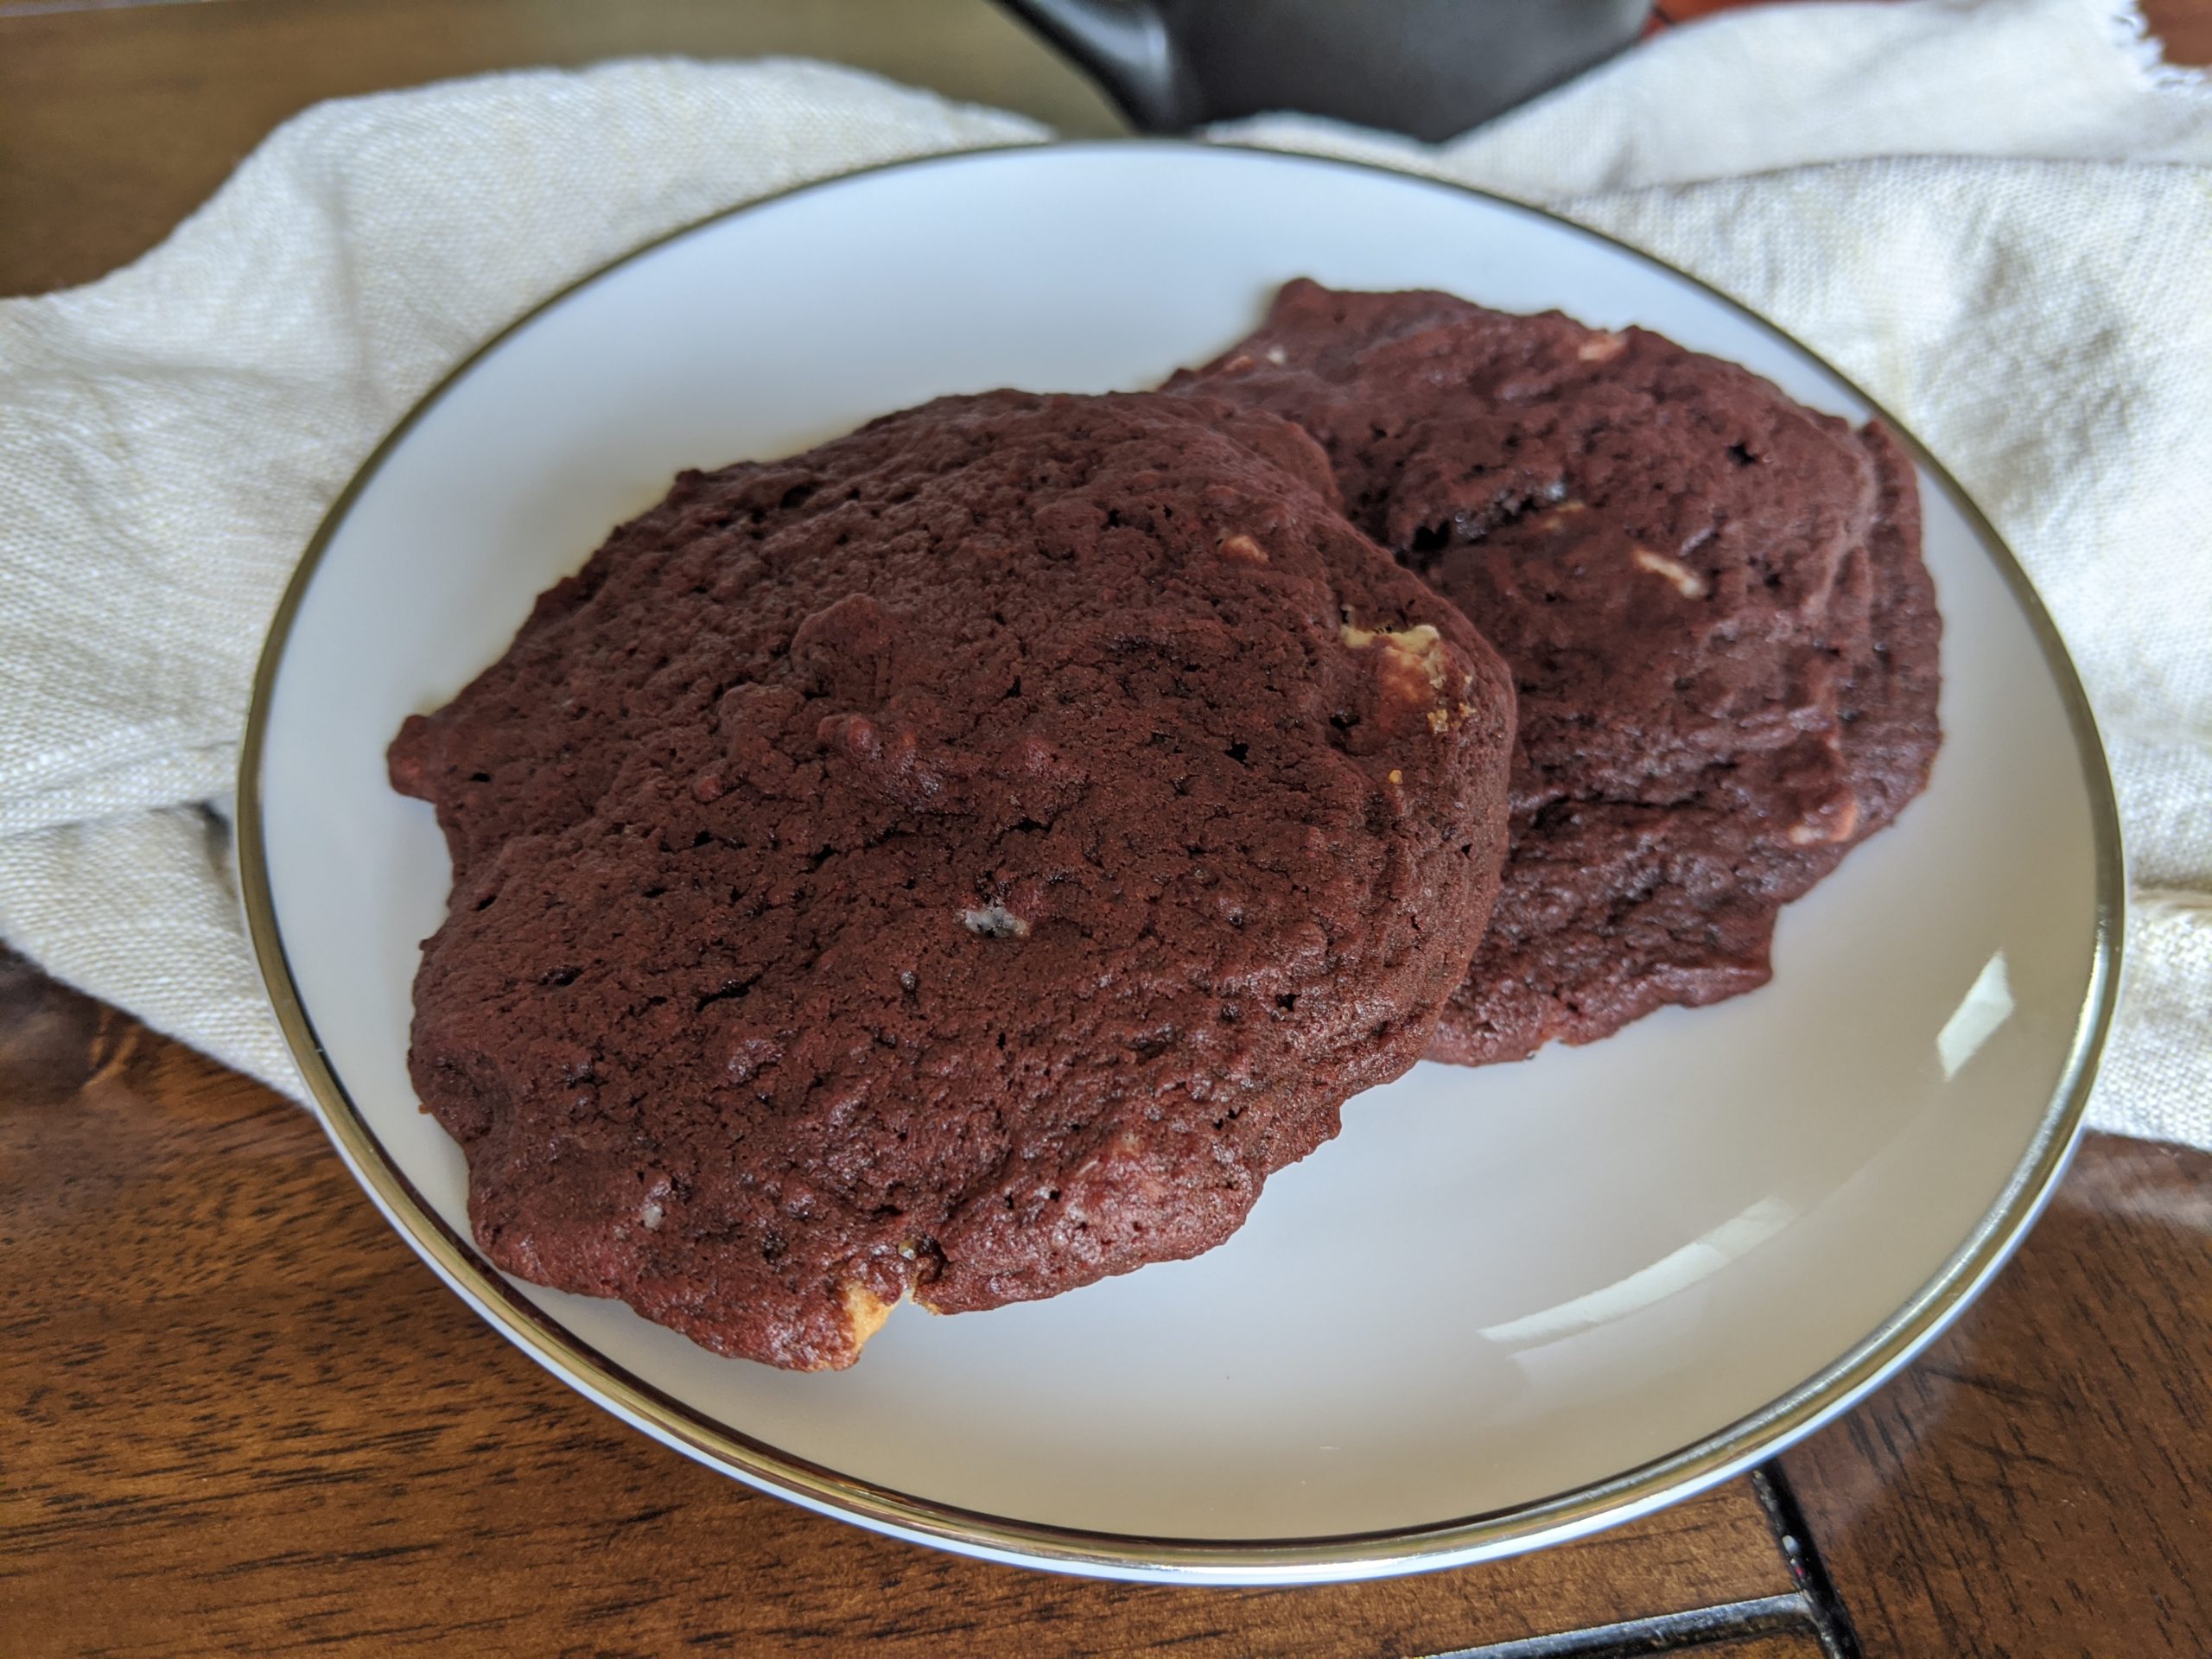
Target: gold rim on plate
[(1372, 1554)]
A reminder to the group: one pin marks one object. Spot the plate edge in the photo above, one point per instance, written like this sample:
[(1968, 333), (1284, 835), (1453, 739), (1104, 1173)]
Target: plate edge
[(1638, 1491)]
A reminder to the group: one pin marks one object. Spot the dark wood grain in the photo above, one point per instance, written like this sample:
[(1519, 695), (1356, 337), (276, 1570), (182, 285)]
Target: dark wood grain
[(1773, 1644), (237, 1416), (2040, 1483), (2185, 26), (117, 122)]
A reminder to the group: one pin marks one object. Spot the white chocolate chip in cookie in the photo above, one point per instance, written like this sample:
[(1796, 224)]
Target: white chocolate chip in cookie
[(1411, 665), (1559, 514), (1419, 650), (1686, 581), (1601, 349), (994, 921), (1277, 356), (865, 1310), (1813, 832), (1243, 550)]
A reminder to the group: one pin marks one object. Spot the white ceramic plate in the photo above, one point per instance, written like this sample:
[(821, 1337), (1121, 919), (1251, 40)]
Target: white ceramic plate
[(1506, 1306)]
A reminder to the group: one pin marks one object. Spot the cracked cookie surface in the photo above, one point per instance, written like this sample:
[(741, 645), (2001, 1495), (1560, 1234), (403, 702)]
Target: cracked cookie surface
[(1711, 599), (958, 862)]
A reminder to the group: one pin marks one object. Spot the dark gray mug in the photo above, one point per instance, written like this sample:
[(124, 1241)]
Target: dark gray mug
[(1431, 68)]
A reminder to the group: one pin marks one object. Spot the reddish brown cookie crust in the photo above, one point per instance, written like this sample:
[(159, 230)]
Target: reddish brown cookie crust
[(964, 859), (1712, 601)]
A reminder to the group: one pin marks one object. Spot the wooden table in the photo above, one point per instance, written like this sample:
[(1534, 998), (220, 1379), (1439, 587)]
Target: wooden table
[(236, 1416)]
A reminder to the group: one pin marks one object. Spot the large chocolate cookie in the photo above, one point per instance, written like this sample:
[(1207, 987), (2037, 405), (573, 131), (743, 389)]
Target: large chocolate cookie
[(960, 860), (1712, 599)]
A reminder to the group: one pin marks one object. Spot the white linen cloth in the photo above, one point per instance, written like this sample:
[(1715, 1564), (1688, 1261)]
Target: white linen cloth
[(1997, 216)]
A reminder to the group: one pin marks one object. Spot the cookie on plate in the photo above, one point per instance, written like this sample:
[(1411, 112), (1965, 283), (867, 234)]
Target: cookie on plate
[(961, 861), (1711, 599)]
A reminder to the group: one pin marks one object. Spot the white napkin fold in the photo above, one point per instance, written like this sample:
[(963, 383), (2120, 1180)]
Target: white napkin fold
[(1997, 218)]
